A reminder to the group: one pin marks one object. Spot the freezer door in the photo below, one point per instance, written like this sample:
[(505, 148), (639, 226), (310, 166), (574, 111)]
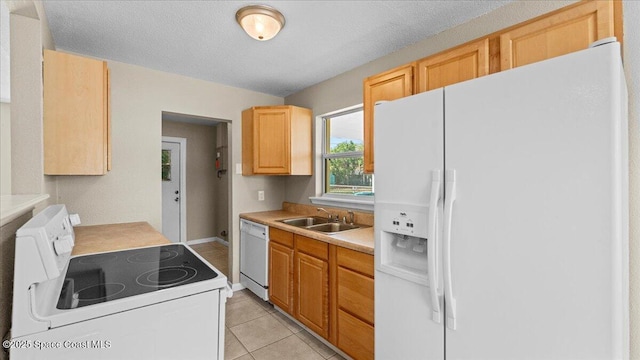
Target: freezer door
[(539, 221), (409, 148), (409, 133)]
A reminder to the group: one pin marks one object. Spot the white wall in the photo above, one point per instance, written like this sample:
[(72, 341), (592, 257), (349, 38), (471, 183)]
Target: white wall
[(131, 191), (5, 149), (222, 184), (29, 34), (631, 10), (345, 90), (26, 106)]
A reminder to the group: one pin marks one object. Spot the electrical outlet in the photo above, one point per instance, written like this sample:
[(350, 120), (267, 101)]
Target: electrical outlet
[(261, 195)]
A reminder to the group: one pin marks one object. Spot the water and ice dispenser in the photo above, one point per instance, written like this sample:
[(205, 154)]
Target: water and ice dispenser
[(403, 241)]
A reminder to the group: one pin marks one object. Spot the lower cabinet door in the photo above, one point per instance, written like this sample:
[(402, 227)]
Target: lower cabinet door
[(281, 276), (313, 293), (355, 337)]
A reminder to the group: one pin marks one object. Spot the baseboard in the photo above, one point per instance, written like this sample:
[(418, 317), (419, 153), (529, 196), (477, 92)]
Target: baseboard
[(222, 241), (237, 287), (200, 241), (206, 240)]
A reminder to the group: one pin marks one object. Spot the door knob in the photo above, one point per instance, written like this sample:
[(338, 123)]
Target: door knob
[(177, 192), (177, 198)]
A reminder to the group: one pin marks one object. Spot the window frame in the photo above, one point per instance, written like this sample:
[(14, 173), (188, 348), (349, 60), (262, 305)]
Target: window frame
[(331, 199)]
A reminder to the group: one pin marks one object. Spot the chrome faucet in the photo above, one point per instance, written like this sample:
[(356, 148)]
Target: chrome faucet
[(352, 216), (329, 216)]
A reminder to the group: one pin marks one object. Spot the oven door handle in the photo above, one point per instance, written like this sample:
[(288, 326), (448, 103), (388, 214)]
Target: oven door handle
[(33, 306)]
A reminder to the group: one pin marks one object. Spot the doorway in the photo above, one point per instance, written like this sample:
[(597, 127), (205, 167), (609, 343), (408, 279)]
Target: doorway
[(174, 189), (207, 184)]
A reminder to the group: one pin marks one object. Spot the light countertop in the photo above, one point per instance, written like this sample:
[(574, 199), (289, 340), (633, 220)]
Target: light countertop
[(13, 206), (112, 237), (358, 239)]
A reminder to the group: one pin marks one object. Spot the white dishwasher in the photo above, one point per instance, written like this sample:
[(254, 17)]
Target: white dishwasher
[(254, 254)]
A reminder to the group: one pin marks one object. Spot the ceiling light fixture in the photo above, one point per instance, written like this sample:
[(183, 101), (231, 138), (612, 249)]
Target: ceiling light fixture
[(261, 22)]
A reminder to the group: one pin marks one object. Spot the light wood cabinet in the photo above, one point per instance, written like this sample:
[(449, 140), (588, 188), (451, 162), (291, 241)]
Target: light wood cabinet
[(466, 62), (311, 284), (393, 84), (354, 288), (276, 140), (327, 288), (560, 33), (77, 118), (281, 255)]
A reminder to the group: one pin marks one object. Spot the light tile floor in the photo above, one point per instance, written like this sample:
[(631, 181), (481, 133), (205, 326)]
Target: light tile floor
[(255, 330), (216, 254)]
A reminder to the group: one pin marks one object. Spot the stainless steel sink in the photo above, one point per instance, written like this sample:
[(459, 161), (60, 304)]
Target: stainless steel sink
[(320, 224), (333, 227), (306, 221)]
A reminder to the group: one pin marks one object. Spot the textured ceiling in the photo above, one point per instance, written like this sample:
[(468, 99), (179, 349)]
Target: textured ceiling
[(201, 39)]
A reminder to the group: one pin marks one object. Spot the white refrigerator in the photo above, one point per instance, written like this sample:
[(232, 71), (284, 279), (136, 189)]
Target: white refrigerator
[(501, 215)]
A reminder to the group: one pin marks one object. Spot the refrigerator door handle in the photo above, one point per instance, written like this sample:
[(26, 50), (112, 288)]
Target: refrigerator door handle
[(432, 251), (449, 199)]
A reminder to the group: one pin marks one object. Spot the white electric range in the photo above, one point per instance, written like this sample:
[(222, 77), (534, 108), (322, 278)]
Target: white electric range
[(160, 302)]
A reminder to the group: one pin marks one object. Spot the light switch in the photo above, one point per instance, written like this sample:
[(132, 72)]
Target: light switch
[(239, 168)]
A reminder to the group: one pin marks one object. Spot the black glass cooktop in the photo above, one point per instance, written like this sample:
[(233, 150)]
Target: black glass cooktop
[(98, 278)]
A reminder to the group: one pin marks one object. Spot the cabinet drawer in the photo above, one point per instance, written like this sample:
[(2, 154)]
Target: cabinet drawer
[(355, 294), (312, 247), (281, 237), (354, 260), (355, 337)]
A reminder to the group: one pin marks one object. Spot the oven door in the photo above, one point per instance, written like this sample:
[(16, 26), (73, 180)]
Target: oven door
[(163, 330)]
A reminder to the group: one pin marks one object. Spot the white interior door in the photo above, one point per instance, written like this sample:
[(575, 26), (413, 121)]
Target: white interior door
[(537, 264), (171, 191)]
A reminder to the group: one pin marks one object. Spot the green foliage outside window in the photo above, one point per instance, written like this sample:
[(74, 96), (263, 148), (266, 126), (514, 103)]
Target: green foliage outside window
[(166, 165), (343, 155)]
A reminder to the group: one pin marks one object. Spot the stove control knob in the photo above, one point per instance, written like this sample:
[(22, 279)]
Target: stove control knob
[(63, 245), (75, 219)]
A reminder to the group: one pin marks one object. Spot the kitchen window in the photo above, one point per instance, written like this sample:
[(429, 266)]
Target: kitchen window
[(344, 181)]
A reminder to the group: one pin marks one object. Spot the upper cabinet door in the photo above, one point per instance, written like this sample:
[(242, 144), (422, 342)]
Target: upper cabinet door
[(271, 141), (76, 115), (564, 32), (467, 62), (276, 140), (390, 85)]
